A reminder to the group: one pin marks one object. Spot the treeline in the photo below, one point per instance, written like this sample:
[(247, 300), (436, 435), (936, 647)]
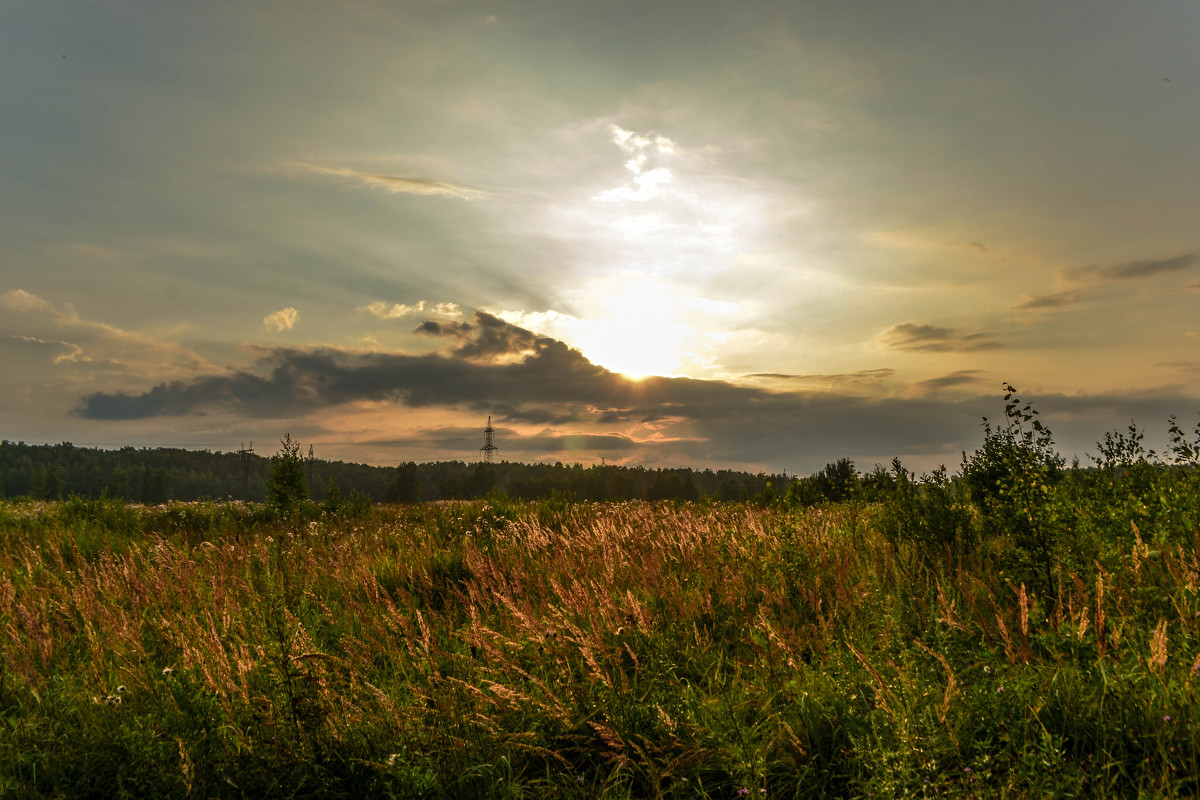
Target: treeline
[(52, 472)]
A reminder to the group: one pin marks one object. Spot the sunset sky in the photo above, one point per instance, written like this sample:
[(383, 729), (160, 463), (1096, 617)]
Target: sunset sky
[(759, 235)]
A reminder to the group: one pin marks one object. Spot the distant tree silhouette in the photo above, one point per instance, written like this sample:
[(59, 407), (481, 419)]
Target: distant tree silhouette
[(406, 488), (287, 485)]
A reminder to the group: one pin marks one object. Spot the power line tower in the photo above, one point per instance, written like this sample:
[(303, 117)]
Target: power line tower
[(489, 446), (245, 455), (311, 463)]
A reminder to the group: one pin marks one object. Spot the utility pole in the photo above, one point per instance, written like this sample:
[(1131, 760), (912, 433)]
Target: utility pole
[(489, 446)]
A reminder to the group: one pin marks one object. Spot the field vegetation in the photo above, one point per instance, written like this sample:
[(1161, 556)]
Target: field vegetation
[(1024, 629)]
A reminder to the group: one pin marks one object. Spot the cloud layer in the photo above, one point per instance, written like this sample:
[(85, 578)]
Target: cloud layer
[(396, 184), (936, 339), (489, 367)]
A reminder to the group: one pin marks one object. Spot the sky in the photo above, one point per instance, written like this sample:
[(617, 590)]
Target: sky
[(754, 235)]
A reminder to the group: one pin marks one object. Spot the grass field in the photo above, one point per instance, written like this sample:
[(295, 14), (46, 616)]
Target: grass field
[(496, 649)]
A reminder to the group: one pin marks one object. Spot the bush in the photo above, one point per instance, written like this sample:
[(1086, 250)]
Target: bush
[(1011, 479), (929, 515)]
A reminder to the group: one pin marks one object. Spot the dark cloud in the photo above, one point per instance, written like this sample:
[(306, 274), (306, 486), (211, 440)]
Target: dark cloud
[(865, 376), (433, 327), (491, 362), (1055, 300), (572, 442), (1182, 366), (1131, 269), (655, 420), (935, 339), (962, 377)]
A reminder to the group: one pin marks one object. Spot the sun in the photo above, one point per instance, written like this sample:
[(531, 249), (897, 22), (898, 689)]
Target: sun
[(637, 331), (639, 325)]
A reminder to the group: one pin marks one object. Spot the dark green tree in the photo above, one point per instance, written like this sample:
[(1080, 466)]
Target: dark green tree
[(156, 485), (331, 500), (287, 486), (406, 488), (48, 484), (838, 481), (117, 484)]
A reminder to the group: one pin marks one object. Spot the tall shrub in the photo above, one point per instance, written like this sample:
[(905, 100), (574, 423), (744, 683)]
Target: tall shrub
[(1011, 480)]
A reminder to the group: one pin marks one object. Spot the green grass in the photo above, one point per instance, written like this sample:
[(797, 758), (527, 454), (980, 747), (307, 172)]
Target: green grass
[(556, 650)]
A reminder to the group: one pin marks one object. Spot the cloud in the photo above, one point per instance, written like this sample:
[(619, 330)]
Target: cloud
[(396, 184), (954, 380), (489, 339), (646, 186), (282, 320), (639, 144), (1182, 366), (844, 380), (912, 240), (63, 351), (1130, 270), (1055, 300), (109, 349), (487, 359), (382, 310), (492, 367), (934, 339), (648, 183), (28, 303)]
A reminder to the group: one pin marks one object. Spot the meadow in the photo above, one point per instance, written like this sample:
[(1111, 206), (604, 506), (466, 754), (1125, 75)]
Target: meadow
[(1041, 640)]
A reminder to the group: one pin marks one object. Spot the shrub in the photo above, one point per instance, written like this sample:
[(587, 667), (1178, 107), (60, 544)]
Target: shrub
[(928, 515), (1011, 480)]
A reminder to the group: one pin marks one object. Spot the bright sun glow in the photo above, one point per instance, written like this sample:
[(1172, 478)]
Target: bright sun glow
[(640, 336), (640, 327), (673, 226)]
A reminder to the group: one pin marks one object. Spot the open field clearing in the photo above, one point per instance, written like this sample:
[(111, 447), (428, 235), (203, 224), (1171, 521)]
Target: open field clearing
[(559, 650)]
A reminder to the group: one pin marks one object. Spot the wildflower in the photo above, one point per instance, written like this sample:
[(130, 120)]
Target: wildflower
[(743, 792), (1000, 690), (1166, 718)]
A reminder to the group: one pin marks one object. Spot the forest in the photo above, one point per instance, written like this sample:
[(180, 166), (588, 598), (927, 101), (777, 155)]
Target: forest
[(158, 475)]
